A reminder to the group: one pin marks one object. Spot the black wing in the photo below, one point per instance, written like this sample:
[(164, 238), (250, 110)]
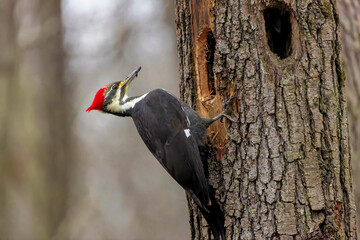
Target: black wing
[(196, 123), (161, 123)]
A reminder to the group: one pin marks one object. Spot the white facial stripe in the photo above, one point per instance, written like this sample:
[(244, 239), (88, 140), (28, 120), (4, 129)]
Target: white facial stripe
[(116, 107), (187, 132), (107, 94)]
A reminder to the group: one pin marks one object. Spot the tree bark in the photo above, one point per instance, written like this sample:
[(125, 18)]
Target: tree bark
[(284, 171), (350, 28), (35, 147)]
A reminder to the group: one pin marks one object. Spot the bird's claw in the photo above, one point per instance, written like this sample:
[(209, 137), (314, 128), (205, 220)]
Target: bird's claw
[(226, 103), (226, 108), (229, 118)]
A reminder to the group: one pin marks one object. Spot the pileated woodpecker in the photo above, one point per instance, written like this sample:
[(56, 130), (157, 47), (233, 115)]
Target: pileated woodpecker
[(172, 131)]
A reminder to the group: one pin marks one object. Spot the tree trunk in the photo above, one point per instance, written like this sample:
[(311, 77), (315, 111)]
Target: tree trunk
[(35, 147), (350, 28), (284, 171)]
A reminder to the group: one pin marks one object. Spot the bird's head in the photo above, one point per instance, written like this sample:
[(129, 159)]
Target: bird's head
[(110, 97)]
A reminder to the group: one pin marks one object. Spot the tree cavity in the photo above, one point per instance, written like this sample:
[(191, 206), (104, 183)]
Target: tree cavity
[(278, 30)]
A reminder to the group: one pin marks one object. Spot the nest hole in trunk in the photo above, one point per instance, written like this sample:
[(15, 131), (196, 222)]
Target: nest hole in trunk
[(279, 30)]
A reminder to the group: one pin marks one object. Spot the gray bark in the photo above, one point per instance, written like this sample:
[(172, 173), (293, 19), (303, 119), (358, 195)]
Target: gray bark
[(284, 171)]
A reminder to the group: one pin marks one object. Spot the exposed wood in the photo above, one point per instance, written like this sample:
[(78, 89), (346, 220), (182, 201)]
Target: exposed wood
[(284, 170), (209, 103)]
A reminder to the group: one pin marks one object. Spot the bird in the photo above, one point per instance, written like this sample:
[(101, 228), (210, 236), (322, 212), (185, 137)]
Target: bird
[(173, 132)]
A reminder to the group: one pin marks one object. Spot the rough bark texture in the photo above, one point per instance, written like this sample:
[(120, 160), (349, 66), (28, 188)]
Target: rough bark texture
[(349, 12), (284, 171)]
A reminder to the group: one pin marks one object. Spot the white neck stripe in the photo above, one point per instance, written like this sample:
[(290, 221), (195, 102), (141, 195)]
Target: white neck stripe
[(116, 107)]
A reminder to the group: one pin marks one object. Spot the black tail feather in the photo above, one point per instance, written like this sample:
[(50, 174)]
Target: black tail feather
[(215, 218)]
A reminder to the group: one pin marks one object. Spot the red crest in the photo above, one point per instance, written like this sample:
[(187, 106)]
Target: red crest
[(97, 104)]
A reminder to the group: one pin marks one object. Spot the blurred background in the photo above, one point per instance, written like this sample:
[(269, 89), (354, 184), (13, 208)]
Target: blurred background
[(65, 173), (68, 174)]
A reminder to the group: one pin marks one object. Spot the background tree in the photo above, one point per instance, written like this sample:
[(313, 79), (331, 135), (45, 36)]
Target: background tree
[(35, 120), (48, 140), (285, 171), (350, 32)]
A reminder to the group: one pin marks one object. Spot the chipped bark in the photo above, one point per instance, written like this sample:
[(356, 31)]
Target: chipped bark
[(284, 170)]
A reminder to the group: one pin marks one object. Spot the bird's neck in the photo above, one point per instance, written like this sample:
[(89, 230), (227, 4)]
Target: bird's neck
[(124, 108)]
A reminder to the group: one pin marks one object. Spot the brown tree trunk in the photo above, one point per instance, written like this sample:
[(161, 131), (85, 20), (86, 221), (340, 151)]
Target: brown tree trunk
[(284, 171), (349, 12), (35, 133), (8, 76)]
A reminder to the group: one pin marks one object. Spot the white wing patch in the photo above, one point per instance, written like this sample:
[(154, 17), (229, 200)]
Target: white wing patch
[(187, 132)]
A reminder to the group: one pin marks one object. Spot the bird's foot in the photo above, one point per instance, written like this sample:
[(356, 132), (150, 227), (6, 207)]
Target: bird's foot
[(226, 109), (226, 103), (209, 121), (229, 118)]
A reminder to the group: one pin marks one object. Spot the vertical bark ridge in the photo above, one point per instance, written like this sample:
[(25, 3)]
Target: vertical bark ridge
[(285, 171)]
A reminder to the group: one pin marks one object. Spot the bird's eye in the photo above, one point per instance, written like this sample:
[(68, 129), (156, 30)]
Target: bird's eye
[(115, 86)]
